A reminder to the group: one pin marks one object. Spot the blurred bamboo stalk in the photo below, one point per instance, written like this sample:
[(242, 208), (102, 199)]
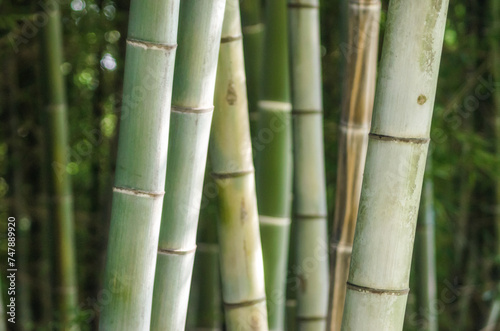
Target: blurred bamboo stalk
[(273, 145), (494, 7), (60, 192), (205, 302), (192, 109), (253, 32), (311, 248), (377, 288), (360, 55), (242, 270), (425, 251), (141, 165)]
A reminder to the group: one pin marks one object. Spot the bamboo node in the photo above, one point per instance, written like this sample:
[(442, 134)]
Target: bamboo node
[(270, 105), (310, 217), (176, 251), (246, 303), (229, 39), (376, 290), (139, 193), (193, 110), (279, 221), (151, 45), (400, 139), (307, 112), (254, 28), (225, 175), (298, 5), (305, 319)]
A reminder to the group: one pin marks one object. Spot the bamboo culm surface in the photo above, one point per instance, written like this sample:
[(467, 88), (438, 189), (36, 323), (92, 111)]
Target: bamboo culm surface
[(378, 283), (141, 165), (425, 251), (192, 109), (205, 299), (357, 104), (310, 228), (242, 271), (273, 146), (60, 191), (253, 32)]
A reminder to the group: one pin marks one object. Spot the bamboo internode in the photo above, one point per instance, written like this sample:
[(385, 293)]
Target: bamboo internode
[(192, 109), (395, 164), (141, 165)]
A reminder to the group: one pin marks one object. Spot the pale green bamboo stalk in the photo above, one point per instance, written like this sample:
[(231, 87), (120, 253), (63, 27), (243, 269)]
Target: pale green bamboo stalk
[(377, 288), (309, 166), (242, 271), (273, 145), (61, 199), (141, 165), (360, 56), (425, 252), (205, 300), (253, 32), (200, 25)]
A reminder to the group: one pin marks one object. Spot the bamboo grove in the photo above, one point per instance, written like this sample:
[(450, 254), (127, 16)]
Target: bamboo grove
[(284, 165)]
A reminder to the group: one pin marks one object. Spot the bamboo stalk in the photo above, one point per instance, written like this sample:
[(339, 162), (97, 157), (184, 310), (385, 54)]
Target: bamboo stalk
[(205, 302), (495, 63), (242, 272), (253, 32), (192, 106), (273, 145), (61, 199), (426, 258), (357, 104), (309, 170), (141, 165), (377, 288)]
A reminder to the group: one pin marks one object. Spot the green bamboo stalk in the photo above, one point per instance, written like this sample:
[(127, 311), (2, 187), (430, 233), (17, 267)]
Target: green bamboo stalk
[(357, 104), (495, 64), (309, 166), (141, 165), (61, 199), (253, 32), (377, 288), (426, 258), (242, 271), (205, 301), (273, 145), (192, 107)]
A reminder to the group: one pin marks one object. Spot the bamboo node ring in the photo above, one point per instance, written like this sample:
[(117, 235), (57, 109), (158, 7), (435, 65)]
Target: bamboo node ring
[(376, 290), (242, 304)]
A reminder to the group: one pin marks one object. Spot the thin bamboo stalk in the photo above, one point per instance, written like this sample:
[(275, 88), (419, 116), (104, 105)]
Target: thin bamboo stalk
[(495, 64), (205, 301), (426, 258), (61, 199), (357, 104), (274, 160), (242, 270), (309, 166), (377, 289), (141, 165), (192, 107), (253, 32)]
